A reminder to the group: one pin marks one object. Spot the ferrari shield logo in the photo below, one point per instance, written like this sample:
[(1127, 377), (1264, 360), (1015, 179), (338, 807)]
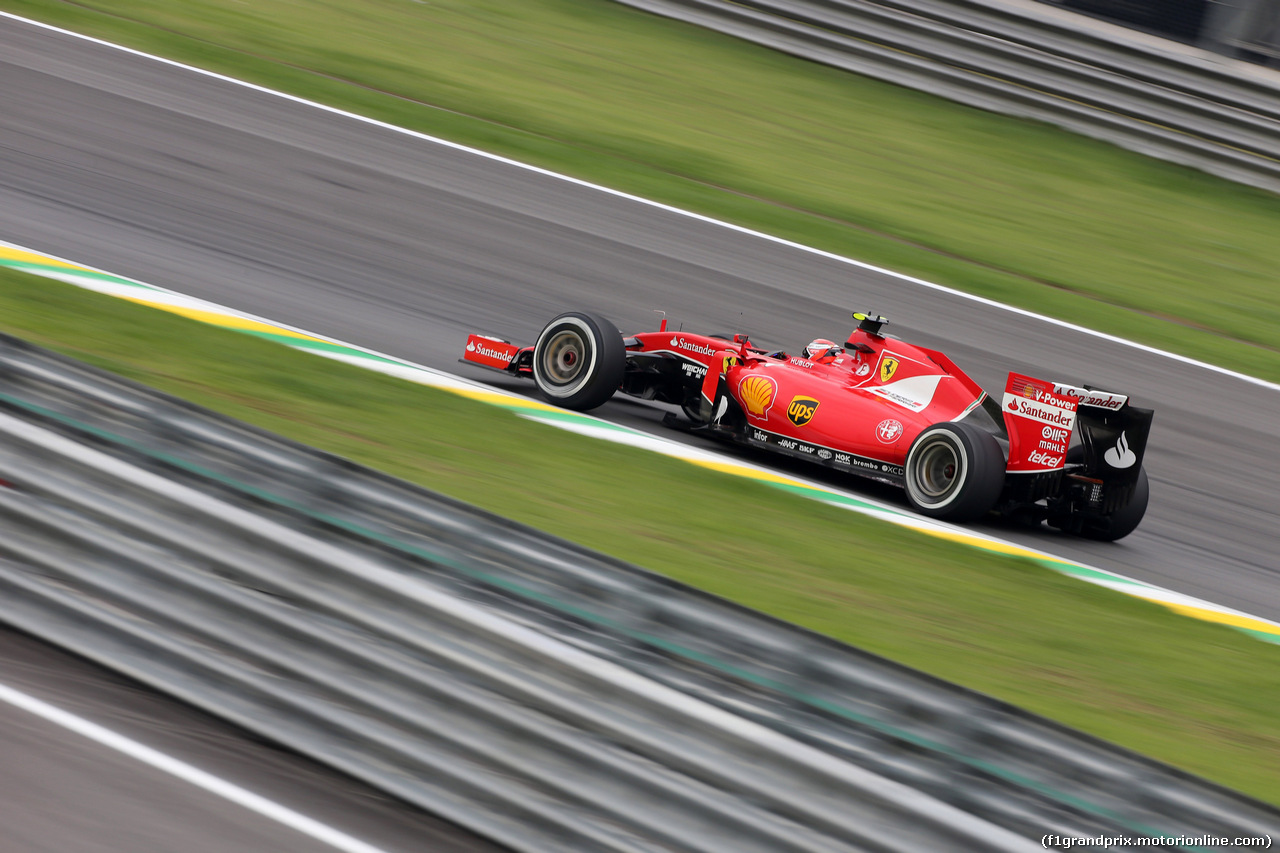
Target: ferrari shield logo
[(888, 367), (801, 410)]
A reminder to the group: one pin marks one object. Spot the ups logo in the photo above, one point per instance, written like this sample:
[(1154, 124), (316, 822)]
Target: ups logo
[(801, 410)]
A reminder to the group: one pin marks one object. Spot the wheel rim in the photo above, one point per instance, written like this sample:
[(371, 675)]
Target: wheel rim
[(935, 476), (563, 358)]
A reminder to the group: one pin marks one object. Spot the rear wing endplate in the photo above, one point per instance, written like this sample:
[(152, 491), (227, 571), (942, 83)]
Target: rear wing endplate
[(1040, 422)]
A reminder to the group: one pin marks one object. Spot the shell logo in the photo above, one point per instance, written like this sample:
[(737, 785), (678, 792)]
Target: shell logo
[(756, 393)]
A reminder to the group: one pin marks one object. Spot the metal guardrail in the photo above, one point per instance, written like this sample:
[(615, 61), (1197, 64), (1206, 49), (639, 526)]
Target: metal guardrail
[(355, 661), (1035, 62), (398, 634)]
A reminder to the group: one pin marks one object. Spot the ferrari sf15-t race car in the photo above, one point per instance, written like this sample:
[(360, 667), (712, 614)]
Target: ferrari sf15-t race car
[(877, 407)]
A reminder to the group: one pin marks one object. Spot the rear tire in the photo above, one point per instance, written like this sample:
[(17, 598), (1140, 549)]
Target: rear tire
[(579, 360), (1123, 521), (955, 472)]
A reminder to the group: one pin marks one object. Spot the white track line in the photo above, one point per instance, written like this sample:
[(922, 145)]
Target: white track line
[(668, 208), (187, 773)]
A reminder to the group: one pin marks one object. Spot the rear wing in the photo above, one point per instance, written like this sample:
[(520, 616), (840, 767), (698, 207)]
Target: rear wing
[(1113, 436), (1042, 417), (1040, 422)]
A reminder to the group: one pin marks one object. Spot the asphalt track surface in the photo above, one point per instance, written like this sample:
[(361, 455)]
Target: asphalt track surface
[(62, 793), (403, 245), (393, 242)]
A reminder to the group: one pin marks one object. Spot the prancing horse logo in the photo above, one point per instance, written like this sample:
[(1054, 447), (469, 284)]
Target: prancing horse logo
[(888, 367)]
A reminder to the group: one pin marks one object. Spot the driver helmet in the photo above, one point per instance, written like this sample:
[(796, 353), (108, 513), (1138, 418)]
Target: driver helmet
[(822, 351)]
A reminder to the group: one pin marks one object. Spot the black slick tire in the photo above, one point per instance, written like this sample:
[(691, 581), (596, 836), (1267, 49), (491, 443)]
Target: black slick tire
[(954, 472), (579, 360)]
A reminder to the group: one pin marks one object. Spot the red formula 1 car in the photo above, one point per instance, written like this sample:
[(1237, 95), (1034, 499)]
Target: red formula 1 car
[(876, 407)]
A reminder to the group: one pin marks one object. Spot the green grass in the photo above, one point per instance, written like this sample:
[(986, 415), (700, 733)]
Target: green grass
[(1009, 209), (1198, 696)]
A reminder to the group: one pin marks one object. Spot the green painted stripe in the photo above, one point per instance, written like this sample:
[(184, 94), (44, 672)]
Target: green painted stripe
[(319, 346), (52, 269), (1086, 573), (561, 416)]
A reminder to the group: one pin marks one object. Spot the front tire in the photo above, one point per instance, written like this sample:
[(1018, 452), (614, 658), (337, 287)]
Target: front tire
[(579, 360), (954, 472)]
